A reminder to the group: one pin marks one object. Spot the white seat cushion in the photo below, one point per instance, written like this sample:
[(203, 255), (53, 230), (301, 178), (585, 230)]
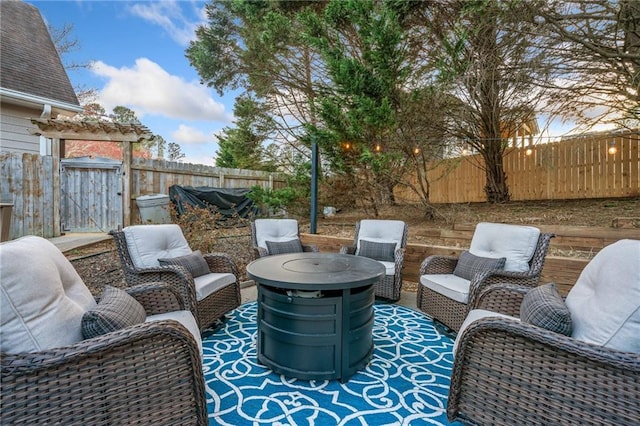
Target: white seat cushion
[(276, 230), (148, 243), (209, 283), (605, 301), (42, 296), (390, 267), (516, 243), (473, 315), (183, 317), (380, 231), (449, 285)]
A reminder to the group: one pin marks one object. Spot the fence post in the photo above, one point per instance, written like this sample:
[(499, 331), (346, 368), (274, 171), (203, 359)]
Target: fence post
[(127, 183)]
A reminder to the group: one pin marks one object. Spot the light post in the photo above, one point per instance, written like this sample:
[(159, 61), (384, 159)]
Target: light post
[(314, 183)]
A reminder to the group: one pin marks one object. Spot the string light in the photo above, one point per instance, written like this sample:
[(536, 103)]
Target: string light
[(612, 148), (416, 150), (465, 150), (529, 150), (378, 148)]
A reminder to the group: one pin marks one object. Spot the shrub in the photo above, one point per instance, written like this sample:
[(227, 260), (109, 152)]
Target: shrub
[(206, 230), (198, 226)]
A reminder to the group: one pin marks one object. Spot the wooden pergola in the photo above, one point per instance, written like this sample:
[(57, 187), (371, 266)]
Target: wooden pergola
[(60, 130)]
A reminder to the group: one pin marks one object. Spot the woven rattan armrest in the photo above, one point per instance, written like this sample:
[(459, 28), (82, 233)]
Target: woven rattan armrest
[(259, 252), (527, 278), (507, 372), (438, 265), (157, 297), (221, 263), (502, 297), (398, 256), (175, 276), (150, 373)]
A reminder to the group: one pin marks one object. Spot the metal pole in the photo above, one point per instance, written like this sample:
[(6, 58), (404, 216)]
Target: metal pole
[(314, 184)]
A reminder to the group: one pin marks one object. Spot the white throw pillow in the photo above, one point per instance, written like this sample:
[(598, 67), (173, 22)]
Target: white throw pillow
[(516, 243), (148, 243), (605, 301), (42, 298)]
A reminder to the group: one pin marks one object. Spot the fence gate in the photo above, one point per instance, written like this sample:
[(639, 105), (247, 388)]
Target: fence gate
[(91, 194)]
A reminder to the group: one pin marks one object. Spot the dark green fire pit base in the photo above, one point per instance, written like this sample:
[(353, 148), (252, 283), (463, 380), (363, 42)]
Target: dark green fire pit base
[(324, 338)]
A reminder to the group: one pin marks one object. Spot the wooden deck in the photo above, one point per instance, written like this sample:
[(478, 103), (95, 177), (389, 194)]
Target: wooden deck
[(72, 241)]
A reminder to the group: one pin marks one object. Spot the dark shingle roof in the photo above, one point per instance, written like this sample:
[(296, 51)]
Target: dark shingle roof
[(29, 62)]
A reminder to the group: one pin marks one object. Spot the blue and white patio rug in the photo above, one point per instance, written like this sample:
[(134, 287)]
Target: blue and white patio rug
[(406, 382)]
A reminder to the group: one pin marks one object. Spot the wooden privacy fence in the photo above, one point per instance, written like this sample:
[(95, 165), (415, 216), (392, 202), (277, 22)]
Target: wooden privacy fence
[(156, 176), (560, 265), (581, 167), (31, 183)]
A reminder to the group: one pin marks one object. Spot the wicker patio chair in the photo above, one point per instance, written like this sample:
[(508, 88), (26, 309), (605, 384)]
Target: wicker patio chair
[(508, 371), (444, 295), (209, 296), (147, 373), (378, 234), (280, 234)]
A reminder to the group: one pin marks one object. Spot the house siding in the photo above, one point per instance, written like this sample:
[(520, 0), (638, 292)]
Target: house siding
[(14, 130)]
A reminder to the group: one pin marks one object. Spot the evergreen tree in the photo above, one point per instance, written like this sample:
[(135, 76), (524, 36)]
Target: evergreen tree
[(174, 152), (241, 146)]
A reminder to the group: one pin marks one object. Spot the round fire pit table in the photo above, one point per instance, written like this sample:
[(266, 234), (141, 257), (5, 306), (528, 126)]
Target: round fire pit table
[(315, 313)]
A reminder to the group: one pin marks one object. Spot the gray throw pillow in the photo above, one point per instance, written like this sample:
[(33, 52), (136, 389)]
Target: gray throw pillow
[(283, 247), (384, 252), (543, 306), (116, 309), (193, 262), (469, 265)]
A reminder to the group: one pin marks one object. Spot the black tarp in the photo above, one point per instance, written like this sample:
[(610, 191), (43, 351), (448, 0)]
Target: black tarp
[(229, 202)]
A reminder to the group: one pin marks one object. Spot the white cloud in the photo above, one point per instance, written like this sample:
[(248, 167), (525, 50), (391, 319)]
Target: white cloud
[(190, 136), (200, 154), (147, 88), (168, 15), (199, 147), (207, 160)]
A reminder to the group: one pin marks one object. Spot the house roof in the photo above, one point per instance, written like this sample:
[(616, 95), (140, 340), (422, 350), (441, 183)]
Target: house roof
[(30, 67)]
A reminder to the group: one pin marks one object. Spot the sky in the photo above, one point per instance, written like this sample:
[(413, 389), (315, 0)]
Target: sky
[(138, 54), (137, 49)]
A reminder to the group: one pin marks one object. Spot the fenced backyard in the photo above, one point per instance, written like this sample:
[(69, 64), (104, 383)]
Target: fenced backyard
[(31, 184), (580, 167), (572, 169)]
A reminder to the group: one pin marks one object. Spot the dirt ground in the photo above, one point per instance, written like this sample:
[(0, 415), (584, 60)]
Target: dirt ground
[(99, 265)]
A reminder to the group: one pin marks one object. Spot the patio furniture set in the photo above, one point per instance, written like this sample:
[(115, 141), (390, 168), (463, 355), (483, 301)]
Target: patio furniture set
[(522, 355)]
